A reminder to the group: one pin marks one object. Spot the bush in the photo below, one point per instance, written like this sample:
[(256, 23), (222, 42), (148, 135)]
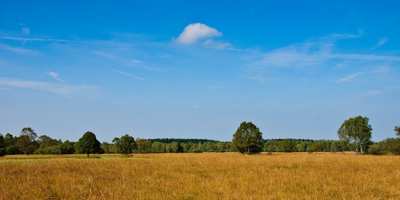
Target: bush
[(388, 146), (49, 150), (12, 150)]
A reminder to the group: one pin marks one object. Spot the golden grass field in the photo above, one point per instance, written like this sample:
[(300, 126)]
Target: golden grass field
[(201, 176)]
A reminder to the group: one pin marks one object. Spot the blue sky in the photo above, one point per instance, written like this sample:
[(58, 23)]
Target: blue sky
[(196, 69)]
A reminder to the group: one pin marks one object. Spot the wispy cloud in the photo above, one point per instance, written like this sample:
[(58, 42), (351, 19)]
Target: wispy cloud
[(317, 53), (129, 75), (55, 76), (218, 45), (125, 60), (381, 42), (349, 78), (18, 50), (31, 39), (196, 32), (48, 87)]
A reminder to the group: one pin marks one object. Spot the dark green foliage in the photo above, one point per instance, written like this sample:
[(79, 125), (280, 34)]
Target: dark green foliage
[(49, 150), (304, 145), (26, 145), (28, 131), (181, 140), (143, 146), (388, 146), (2, 146), (109, 148), (357, 131), (88, 144), (248, 138), (125, 144), (46, 141), (67, 147), (397, 130)]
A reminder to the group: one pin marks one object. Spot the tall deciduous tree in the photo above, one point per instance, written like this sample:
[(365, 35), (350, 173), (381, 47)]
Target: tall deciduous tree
[(28, 131), (125, 144), (397, 129), (356, 130), (26, 144), (88, 144), (247, 138)]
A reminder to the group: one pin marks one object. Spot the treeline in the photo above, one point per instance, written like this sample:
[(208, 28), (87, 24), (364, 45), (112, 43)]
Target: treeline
[(354, 135), (29, 143), (306, 145)]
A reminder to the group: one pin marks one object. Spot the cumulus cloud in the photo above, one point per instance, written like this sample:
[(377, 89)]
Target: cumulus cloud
[(196, 32)]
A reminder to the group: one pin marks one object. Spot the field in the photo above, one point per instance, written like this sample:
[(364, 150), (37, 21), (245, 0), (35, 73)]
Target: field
[(201, 176)]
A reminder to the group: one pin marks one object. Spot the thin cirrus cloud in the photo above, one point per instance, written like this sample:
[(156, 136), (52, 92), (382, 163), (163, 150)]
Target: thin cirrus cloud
[(129, 75), (30, 39), (316, 54), (349, 78), (42, 86), (55, 76), (17, 50), (196, 32), (381, 42)]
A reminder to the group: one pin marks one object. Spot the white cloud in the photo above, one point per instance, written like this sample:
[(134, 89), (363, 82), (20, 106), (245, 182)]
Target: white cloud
[(218, 45), (55, 76), (381, 42), (129, 75), (317, 53), (31, 39), (17, 50), (125, 61), (53, 88), (349, 78), (196, 32)]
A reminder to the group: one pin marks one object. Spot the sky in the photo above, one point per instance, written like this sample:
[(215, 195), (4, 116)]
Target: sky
[(196, 69)]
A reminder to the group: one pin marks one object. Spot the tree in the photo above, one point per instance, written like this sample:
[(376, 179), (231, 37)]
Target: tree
[(357, 131), (28, 131), (46, 141), (2, 146), (397, 129), (125, 144), (88, 144), (26, 144), (67, 147), (248, 138)]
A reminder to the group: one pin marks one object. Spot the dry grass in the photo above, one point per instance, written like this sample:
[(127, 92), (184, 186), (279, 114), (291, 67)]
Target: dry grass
[(201, 176)]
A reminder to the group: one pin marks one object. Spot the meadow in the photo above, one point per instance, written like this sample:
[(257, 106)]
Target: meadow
[(201, 176)]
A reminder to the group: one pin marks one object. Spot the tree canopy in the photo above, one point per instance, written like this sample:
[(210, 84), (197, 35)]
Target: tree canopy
[(88, 144), (397, 130), (248, 138), (356, 130), (125, 144)]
